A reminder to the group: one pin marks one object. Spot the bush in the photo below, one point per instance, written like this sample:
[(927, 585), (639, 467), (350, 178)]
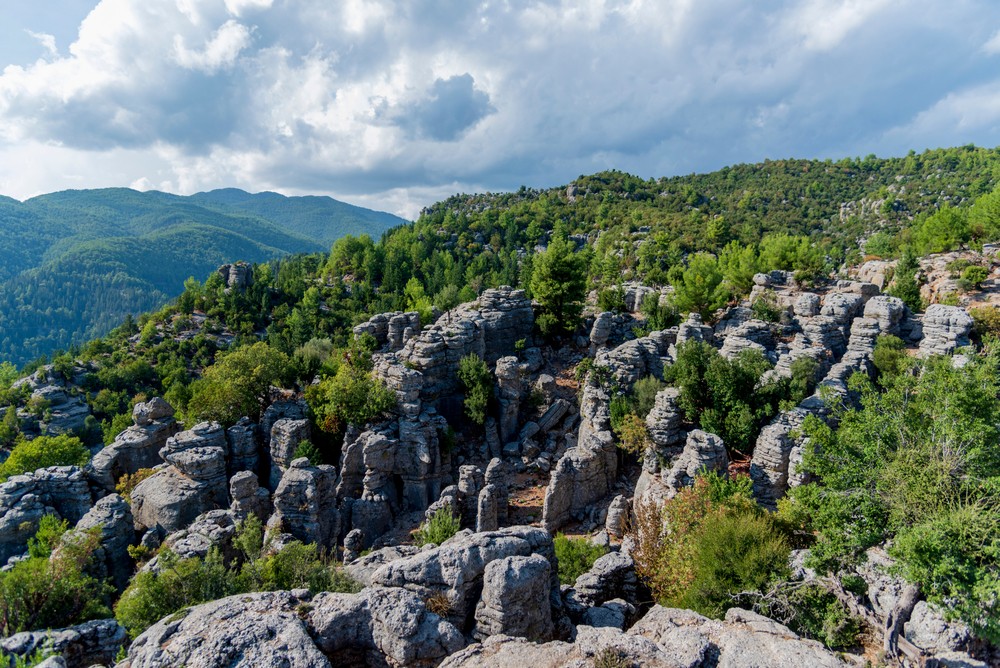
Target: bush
[(889, 356), (708, 543), (477, 380), (612, 299), (309, 451), (659, 316), (350, 396), (766, 307), (986, 319), (440, 527), (633, 435), (52, 589), (42, 452), (803, 380), (644, 394), (237, 384), (130, 481), (972, 278), (575, 556)]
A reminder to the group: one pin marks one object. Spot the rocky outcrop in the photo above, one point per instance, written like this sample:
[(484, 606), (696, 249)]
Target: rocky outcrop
[(249, 498), (663, 638), (111, 518), (305, 504), (88, 644), (214, 529), (777, 456), (945, 329), (193, 482), (138, 447), (455, 569), (515, 599), (391, 330), (286, 435), (702, 452), (612, 576), (24, 499), (488, 328), (244, 446), (664, 425), (508, 374), (237, 276)]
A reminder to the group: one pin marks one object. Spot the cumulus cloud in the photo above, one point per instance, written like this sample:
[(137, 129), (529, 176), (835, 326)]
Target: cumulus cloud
[(47, 41), (405, 101)]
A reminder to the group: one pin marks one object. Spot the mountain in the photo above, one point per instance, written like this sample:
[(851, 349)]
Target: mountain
[(77, 262)]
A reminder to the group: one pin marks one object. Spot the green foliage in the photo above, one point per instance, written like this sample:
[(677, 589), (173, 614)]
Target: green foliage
[(10, 427), (972, 278), (180, 583), (916, 464), (309, 451), (559, 283), (698, 288), (575, 556), (52, 589), (889, 356), (612, 299), (659, 316), (477, 380), (417, 300), (945, 230), (881, 244), (237, 384), (739, 263), (766, 307), (42, 452), (644, 394), (351, 395), (803, 380), (723, 396), (986, 319), (441, 526), (905, 285), (707, 544)]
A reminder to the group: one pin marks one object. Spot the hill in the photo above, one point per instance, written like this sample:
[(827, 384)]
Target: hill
[(76, 262)]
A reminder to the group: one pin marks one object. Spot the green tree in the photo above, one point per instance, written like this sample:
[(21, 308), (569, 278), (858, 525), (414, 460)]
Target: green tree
[(477, 380), (698, 288), (351, 395), (237, 384), (904, 284), (559, 283), (738, 264), (42, 452)]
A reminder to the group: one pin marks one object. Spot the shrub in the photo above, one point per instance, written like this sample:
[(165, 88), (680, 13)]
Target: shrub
[(130, 481), (633, 435), (889, 356), (350, 396), (766, 307), (612, 299), (986, 319), (236, 385), (309, 451), (42, 452), (644, 394), (972, 278), (659, 316), (575, 556), (441, 526), (477, 380), (51, 589), (803, 380)]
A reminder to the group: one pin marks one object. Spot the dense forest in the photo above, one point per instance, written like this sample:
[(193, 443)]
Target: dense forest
[(77, 262)]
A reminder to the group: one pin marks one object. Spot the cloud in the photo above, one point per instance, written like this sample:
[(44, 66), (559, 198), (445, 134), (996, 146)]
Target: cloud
[(47, 41), (404, 100)]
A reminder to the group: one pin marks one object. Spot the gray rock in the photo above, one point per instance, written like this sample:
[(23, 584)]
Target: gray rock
[(215, 528), (156, 409), (618, 513), (286, 435), (24, 499), (363, 567), (777, 456), (929, 630), (305, 504), (261, 629), (703, 451), (888, 311), (664, 424), (456, 567), (391, 624), (601, 331), (515, 599), (508, 374), (244, 446), (138, 447), (94, 642), (111, 516), (486, 516), (945, 329), (249, 498), (353, 545), (612, 576)]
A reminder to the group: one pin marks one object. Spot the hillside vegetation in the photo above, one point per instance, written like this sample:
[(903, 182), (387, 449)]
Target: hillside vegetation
[(76, 262)]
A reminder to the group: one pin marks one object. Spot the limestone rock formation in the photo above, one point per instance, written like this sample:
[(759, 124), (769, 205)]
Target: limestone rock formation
[(702, 452), (138, 447), (286, 435), (945, 328), (24, 499), (91, 643), (194, 482), (305, 504), (515, 598), (508, 374), (249, 498), (111, 516)]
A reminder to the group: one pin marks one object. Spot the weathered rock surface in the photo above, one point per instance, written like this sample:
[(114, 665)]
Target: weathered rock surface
[(249, 498), (663, 638), (702, 452), (945, 328), (90, 643), (24, 499), (193, 483), (138, 447), (305, 504), (612, 576), (515, 599), (286, 435), (111, 516), (456, 567)]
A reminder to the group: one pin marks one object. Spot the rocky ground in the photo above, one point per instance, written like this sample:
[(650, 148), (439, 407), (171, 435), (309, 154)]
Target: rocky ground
[(489, 596)]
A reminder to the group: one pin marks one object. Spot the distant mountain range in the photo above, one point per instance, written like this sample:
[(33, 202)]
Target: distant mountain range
[(74, 263)]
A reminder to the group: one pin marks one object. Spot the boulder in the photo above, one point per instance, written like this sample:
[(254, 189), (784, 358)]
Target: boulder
[(286, 435), (305, 504), (945, 329), (87, 644), (111, 517), (702, 452), (515, 599)]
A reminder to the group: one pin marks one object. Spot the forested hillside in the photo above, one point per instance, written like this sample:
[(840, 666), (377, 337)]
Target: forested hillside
[(76, 262)]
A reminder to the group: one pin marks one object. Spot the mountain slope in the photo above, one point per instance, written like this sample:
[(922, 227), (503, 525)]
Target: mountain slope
[(76, 262)]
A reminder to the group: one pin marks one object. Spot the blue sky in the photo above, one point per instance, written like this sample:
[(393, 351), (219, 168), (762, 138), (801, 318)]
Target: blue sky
[(394, 105)]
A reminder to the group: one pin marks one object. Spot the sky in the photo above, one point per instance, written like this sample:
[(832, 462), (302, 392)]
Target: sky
[(396, 105)]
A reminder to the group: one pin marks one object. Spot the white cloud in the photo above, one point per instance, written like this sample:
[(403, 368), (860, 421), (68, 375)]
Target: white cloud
[(395, 101), (47, 41)]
